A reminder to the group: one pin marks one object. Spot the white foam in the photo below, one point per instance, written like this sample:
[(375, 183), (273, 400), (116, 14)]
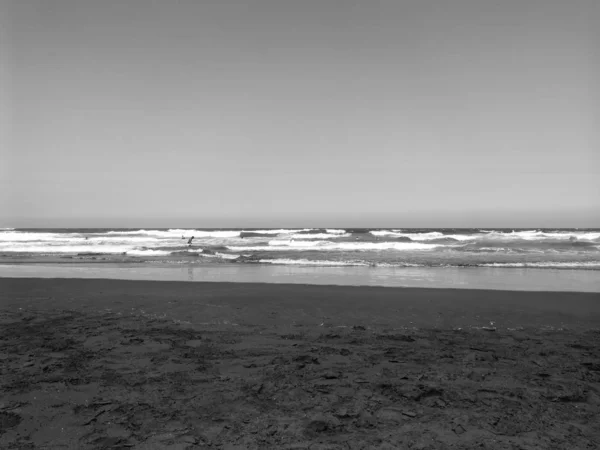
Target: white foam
[(535, 235), (329, 263), (131, 232), (430, 236), (124, 239), (217, 255), (280, 231), (316, 236), (41, 248), (23, 236), (299, 243), (214, 234), (226, 255), (460, 237), (178, 233), (529, 235), (384, 233), (400, 264), (147, 252), (308, 262), (561, 264), (328, 245), (144, 242), (81, 246), (588, 236)]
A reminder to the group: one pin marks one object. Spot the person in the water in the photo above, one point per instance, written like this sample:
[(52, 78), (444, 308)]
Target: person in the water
[(190, 241)]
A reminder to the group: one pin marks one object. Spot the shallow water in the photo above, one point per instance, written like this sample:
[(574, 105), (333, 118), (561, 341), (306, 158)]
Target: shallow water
[(523, 279)]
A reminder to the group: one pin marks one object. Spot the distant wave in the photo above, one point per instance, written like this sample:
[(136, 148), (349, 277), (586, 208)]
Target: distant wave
[(305, 233), (329, 245), (108, 249), (23, 236), (125, 233), (178, 233), (429, 236), (527, 235), (316, 236), (545, 248), (279, 231), (85, 250), (535, 235), (287, 234), (528, 245)]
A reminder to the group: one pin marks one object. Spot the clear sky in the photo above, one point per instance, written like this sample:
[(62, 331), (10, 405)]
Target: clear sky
[(198, 113)]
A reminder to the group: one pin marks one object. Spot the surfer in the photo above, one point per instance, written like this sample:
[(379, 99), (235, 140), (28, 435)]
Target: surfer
[(190, 241)]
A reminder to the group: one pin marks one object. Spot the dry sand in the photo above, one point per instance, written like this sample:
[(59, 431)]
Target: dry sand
[(119, 364)]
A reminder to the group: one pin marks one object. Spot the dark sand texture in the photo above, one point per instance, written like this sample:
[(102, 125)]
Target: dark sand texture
[(144, 365)]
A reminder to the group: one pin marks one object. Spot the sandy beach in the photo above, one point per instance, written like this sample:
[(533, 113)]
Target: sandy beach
[(144, 365)]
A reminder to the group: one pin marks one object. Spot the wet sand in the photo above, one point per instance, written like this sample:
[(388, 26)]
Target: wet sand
[(137, 364), (488, 278)]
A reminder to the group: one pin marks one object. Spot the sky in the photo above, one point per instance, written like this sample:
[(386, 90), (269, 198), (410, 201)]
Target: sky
[(270, 113)]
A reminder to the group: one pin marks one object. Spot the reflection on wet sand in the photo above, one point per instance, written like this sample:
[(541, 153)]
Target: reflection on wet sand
[(432, 277)]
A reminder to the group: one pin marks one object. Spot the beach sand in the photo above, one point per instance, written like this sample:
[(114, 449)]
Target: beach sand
[(144, 365)]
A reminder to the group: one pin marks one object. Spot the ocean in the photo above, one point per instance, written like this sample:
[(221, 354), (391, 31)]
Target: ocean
[(574, 249)]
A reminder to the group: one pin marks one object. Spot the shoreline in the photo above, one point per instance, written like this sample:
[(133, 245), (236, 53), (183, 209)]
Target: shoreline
[(503, 279), (298, 285), (208, 259), (91, 363)]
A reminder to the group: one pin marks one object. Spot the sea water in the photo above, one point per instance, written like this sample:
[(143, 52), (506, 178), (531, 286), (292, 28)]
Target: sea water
[(389, 257)]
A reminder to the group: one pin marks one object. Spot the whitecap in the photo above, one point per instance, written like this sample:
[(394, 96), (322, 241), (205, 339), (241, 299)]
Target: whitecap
[(328, 245), (23, 236), (535, 235), (179, 232), (316, 236), (429, 236)]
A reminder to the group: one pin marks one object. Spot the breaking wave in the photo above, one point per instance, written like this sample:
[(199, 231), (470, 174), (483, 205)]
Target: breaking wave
[(328, 245), (316, 236), (393, 247)]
